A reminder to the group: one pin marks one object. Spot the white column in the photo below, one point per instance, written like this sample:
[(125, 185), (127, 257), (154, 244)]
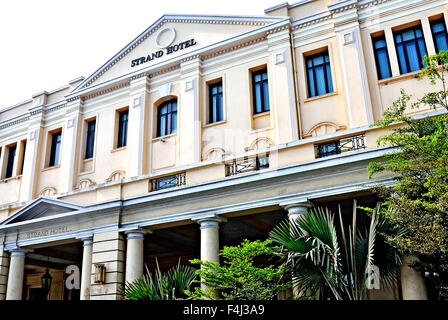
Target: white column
[(210, 239), (16, 274), (413, 285), (86, 268), (295, 210), (134, 255)]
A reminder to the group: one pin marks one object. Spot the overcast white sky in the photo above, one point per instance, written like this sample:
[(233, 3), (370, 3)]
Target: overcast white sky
[(46, 43)]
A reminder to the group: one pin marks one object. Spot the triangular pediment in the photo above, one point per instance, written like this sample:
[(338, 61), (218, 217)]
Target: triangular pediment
[(171, 37), (41, 207)]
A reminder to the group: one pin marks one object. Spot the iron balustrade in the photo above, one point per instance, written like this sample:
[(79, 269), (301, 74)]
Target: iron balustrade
[(340, 146), (172, 181), (246, 165)]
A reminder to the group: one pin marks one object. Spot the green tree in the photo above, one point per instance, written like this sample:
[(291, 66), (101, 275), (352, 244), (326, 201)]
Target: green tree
[(418, 202), (161, 286), (240, 276), (336, 262)]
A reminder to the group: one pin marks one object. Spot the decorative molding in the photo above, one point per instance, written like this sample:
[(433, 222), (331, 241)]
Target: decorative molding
[(116, 175), (166, 70), (48, 192), (279, 58), (215, 153), (165, 89), (313, 132), (108, 90), (261, 143), (84, 183), (236, 47), (348, 38), (189, 85), (14, 121)]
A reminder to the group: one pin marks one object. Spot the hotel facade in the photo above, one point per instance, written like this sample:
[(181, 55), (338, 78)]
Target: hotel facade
[(201, 132)]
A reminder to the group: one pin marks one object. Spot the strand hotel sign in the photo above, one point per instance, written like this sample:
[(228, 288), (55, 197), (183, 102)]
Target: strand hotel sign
[(164, 40)]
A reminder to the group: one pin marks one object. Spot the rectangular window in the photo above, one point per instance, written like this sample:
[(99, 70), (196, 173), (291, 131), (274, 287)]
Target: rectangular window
[(381, 57), (260, 91), (55, 148), (411, 49), (215, 102), (122, 128), (439, 34), (10, 163), (319, 74), (167, 118), (90, 139)]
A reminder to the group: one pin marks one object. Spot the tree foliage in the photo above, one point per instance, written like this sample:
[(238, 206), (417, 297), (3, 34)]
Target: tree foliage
[(161, 286), (335, 263), (418, 202), (240, 276)]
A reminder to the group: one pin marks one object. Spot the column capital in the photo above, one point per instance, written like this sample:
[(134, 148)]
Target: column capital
[(86, 239), (137, 233), (19, 252), (209, 222), (296, 207)]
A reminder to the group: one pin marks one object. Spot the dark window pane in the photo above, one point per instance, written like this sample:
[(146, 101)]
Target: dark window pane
[(90, 139), (215, 102), (319, 74), (381, 57), (439, 34), (122, 128), (411, 50), (10, 164), (55, 149), (167, 118), (260, 91)]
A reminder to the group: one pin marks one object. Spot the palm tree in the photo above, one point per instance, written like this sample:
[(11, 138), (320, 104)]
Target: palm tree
[(323, 259), (168, 286)]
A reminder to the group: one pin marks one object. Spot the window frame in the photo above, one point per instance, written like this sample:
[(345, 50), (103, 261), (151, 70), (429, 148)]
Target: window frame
[(375, 53), (328, 77), (122, 130), (54, 159), (168, 117), (444, 32), (406, 55), (9, 171), (90, 139), (260, 84), (219, 110)]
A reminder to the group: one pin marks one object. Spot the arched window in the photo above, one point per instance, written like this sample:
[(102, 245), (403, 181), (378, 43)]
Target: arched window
[(167, 118)]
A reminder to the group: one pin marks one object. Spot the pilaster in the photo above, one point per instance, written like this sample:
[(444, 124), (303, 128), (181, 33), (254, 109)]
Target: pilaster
[(281, 82), (4, 269), (356, 87), (139, 118), (108, 249), (34, 151), (189, 112), (70, 144)]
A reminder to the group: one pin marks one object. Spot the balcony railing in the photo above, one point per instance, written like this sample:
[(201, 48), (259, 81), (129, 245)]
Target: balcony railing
[(247, 165), (167, 182), (340, 146)]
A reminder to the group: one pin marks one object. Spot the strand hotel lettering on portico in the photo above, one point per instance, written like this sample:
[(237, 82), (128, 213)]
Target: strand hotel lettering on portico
[(201, 132)]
